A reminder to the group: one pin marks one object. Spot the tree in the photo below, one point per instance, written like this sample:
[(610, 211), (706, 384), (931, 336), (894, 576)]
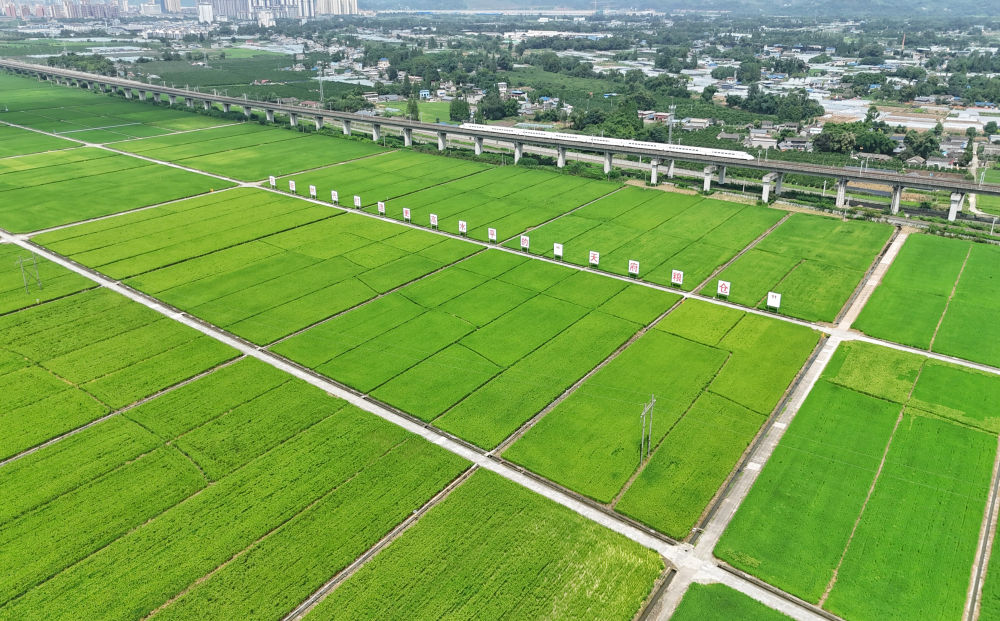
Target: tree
[(990, 128), (412, 110), (970, 133), (708, 93), (835, 138), (872, 115), (748, 72), (938, 129), (458, 110), (925, 145), (491, 106)]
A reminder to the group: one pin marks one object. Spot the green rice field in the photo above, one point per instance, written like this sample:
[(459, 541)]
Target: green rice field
[(934, 290), (814, 262), (716, 374), (496, 538), (882, 481), (50, 189), (662, 231), (716, 602)]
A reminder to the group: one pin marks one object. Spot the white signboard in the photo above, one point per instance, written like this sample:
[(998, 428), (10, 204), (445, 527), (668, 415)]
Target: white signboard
[(724, 288), (676, 277), (594, 257), (492, 235), (291, 187), (434, 220), (633, 268), (272, 180), (463, 228), (334, 197), (357, 201), (381, 208), (557, 250), (773, 300), (312, 191), (406, 213), (525, 242)]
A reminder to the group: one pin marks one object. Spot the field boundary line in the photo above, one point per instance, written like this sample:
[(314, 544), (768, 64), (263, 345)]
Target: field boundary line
[(871, 489), (747, 248), (96, 421), (174, 133), (855, 304), (109, 216), (91, 129), (531, 422), (728, 571), (344, 574), (987, 534), (646, 611), (565, 213), (19, 155), (951, 296), (781, 280)]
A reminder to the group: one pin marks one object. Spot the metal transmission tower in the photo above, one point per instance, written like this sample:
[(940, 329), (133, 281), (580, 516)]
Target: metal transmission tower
[(26, 271), (647, 434)]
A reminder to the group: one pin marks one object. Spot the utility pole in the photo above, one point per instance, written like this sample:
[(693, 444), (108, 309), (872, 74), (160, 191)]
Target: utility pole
[(670, 124), (646, 440)]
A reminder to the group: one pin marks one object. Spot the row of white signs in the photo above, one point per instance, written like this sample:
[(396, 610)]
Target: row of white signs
[(594, 257)]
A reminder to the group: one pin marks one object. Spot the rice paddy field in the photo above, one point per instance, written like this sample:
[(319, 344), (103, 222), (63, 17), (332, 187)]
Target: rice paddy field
[(717, 601), (873, 500), (716, 373), (663, 232), (313, 406), (814, 262), (933, 292), (82, 115)]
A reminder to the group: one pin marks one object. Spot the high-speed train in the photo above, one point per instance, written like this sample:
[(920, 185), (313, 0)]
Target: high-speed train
[(675, 150)]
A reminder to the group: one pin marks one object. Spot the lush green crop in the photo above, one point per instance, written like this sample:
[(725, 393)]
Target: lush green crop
[(131, 576), (70, 361), (923, 516), (717, 601), (814, 262), (48, 189), (706, 393), (493, 550), (16, 141), (662, 231)]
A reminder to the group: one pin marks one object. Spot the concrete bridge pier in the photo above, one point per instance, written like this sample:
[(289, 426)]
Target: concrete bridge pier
[(957, 198), (670, 170), (293, 119), (607, 162), (478, 144), (778, 183), (269, 115), (518, 151), (227, 108), (172, 99), (841, 193), (143, 95), (376, 132), (654, 165), (722, 174), (897, 197), (442, 141), (707, 185), (408, 138), (189, 102), (206, 105), (346, 127), (561, 157), (766, 186), (247, 111), (128, 93)]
